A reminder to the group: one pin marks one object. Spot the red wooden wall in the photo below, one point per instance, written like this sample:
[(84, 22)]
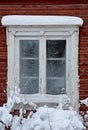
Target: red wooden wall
[(46, 7)]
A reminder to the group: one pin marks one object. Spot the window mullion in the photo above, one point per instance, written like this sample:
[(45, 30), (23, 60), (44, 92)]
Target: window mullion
[(42, 66)]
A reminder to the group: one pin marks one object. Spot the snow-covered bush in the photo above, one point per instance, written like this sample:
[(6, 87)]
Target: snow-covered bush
[(84, 101), (45, 118), (85, 114), (54, 119)]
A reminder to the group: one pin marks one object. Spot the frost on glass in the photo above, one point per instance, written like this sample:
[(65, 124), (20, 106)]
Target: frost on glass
[(55, 66), (29, 86), (29, 48), (55, 86), (29, 66)]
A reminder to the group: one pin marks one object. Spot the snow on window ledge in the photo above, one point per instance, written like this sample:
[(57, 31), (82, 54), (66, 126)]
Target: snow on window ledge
[(40, 20)]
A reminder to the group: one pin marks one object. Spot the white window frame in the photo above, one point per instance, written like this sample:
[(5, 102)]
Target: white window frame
[(70, 34), (42, 59), (62, 28)]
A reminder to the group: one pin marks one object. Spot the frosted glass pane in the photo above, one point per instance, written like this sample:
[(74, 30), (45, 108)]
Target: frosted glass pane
[(55, 48), (29, 67), (29, 86), (29, 48), (55, 68), (55, 86)]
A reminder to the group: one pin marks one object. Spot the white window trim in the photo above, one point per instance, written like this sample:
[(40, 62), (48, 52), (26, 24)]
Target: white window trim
[(70, 32), (42, 58)]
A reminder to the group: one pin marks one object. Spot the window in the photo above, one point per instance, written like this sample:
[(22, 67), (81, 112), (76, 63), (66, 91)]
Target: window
[(42, 67), (43, 56)]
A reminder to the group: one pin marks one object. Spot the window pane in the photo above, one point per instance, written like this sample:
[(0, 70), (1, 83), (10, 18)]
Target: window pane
[(29, 66), (55, 48), (29, 48), (29, 85), (55, 86), (55, 66)]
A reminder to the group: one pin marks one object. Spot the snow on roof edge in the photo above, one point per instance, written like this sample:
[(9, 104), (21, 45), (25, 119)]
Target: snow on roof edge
[(12, 20)]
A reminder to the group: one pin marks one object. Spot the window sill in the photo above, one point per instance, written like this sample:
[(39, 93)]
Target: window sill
[(43, 98)]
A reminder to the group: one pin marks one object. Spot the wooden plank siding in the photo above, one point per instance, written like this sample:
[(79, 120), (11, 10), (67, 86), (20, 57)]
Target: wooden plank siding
[(45, 2), (23, 8)]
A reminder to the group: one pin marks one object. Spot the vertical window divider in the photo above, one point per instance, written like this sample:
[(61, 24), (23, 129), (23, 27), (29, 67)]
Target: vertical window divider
[(42, 66), (68, 66)]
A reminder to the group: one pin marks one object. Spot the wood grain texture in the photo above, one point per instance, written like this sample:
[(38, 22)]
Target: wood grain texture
[(44, 2)]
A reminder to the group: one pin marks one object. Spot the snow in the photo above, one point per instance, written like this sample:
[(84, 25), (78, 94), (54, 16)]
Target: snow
[(40, 20), (56, 119), (85, 114), (85, 101), (5, 116), (45, 118), (49, 119), (2, 126)]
